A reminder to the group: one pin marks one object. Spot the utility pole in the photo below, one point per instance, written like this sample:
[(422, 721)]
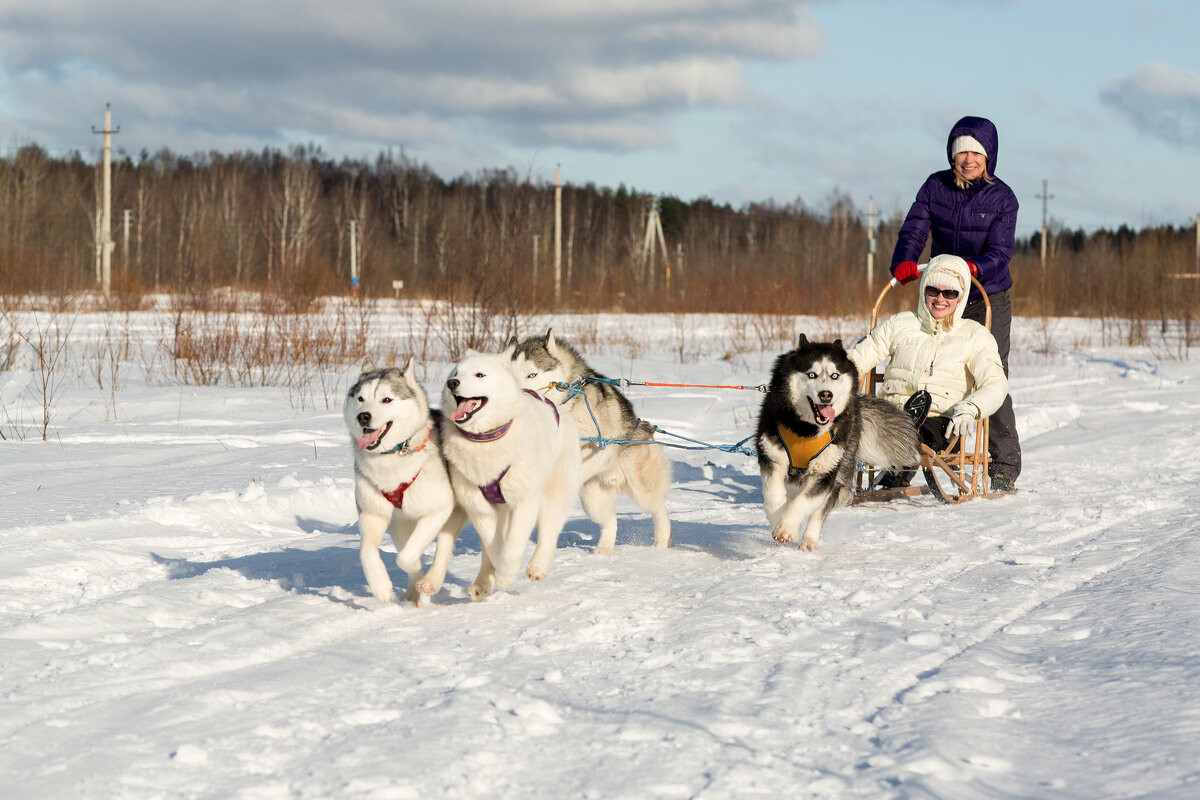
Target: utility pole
[(537, 238), (654, 234), (354, 258), (105, 239), (126, 213), (1198, 243), (1045, 196), (870, 242), (557, 234)]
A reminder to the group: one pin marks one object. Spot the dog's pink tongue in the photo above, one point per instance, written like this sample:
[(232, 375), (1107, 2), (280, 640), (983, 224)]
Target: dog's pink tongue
[(465, 408), (826, 413), (369, 439)]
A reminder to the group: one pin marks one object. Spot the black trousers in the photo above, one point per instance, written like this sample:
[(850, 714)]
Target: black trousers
[(1003, 444)]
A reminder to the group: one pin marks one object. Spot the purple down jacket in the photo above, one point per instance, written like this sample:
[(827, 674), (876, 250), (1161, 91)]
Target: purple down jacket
[(977, 223)]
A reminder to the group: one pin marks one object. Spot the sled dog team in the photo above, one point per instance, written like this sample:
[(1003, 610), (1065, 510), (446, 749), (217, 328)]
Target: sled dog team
[(518, 438)]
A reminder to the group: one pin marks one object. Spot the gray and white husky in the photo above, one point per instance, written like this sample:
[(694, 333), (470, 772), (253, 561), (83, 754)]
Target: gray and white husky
[(514, 462), (400, 480), (813, 428), (551, 366)]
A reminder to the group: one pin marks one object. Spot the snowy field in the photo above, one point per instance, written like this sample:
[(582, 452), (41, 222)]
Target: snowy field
[(183, 615)]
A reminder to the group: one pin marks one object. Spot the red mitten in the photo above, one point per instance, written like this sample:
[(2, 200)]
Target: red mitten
[(974, 269), (906, 272)]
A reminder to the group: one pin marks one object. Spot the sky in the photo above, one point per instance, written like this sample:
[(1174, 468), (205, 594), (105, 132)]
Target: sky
[(740, 101), (183, 613)]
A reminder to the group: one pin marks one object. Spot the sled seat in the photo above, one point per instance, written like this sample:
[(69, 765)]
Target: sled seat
[(953, 475)]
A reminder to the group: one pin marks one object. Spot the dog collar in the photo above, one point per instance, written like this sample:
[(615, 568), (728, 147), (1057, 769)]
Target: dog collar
[(396, 496), (801, 450), (487, 436), (404, 449)]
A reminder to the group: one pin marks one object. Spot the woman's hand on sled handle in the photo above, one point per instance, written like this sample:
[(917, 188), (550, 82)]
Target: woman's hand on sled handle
[(962, 417), (905, 272)]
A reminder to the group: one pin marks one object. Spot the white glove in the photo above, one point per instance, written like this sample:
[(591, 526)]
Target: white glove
[(962, 418)]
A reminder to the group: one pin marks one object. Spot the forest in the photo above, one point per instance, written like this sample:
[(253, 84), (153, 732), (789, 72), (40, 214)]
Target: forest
[(279, 223)]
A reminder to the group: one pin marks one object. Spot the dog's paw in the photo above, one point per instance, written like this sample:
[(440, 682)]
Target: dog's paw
[(429, 586), (606, 550), (382, 592), (480, 589), (809, 545), (781, 535), (413, 595)]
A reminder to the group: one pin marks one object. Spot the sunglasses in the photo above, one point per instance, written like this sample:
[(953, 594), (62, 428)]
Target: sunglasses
[(932, 291)]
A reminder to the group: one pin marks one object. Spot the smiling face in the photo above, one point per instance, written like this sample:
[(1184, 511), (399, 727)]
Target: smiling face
[(970, 166), (939, 305)]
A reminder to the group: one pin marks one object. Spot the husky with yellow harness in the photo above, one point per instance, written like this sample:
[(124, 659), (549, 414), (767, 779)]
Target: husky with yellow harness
[(813, 429)]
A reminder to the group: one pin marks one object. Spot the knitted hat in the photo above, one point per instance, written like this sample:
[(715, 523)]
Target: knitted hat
[(966, 144), (947, 271), (944, 278)]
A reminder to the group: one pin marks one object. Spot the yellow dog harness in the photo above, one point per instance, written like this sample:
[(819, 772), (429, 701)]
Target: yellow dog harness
[(802, 449)]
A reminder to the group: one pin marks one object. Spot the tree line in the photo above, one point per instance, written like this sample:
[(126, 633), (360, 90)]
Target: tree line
[(279, 223)]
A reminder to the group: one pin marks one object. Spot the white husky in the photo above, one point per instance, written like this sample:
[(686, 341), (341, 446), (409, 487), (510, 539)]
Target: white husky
[(514, 462), (401, 479), (545, 364)]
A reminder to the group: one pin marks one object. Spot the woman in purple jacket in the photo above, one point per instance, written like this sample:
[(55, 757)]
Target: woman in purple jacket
[(968, 212)]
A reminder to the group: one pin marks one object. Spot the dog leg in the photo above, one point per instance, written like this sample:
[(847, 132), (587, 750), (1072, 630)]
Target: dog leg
[(371, 529), (486, 526), (511, 543), (599, 497), (420, 535), (485, 582), (775, 499), (796, 512), (647, 485), (447, 536)]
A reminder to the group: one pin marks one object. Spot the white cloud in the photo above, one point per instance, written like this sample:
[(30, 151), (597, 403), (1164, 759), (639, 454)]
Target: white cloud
[(521, 69), (1160, 100)]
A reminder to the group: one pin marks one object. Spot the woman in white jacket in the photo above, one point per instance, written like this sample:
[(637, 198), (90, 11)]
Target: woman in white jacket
[(933, 349)]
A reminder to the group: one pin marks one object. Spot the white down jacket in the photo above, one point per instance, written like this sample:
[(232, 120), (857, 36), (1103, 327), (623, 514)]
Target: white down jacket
[(953, 359)]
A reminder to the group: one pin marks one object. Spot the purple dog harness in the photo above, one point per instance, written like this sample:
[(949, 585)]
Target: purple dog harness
[(491, 492)]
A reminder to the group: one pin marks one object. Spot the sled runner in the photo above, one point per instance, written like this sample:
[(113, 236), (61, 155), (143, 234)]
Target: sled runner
[(953, 475)]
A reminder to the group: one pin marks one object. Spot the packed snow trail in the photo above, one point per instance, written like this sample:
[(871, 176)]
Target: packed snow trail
[(209, 633)]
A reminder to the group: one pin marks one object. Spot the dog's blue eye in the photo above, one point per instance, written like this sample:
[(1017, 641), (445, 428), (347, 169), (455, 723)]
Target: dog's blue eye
[(834, 376), (812, 374), (531, 375)]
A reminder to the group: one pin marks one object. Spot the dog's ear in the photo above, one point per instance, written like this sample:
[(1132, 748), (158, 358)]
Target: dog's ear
[(512, 342), (838, 344), (368, 365), (803, 340), (407, 369), (510, 351), (550, 343)]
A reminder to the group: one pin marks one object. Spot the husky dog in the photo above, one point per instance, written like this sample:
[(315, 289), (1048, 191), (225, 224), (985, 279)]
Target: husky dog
[(812, 429), (400, 478), (514, 461), (547, 365)]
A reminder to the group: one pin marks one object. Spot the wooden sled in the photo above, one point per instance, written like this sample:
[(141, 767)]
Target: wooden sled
[(953, 475)]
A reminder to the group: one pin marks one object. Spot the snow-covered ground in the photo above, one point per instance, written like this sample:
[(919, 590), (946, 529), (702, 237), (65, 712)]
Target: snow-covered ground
[(182, 611)]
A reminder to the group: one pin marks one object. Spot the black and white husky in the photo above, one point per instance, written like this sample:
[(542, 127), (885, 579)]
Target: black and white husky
[(514, 462), (813, 428), (400, 479), (552, 366)]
